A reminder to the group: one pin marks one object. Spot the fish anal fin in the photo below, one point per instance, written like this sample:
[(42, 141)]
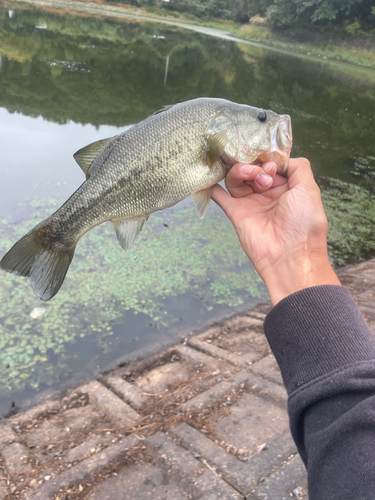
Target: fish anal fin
[(202, 201), (215, 146), (127, 230), (86, 156)]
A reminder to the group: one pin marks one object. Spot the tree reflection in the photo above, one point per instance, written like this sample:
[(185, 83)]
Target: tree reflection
[(103, 71)]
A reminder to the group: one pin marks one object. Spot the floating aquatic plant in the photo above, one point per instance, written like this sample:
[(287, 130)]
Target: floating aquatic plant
[(175, 254)]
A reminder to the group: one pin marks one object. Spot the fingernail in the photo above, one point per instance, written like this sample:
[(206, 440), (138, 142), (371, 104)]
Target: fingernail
[(269, 167), (247, 169), (263, 180)]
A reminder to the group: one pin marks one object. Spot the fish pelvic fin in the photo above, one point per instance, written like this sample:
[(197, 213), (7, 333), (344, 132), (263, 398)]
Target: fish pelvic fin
[(202, 201), (86, 156), (127, 230), (45, 265)]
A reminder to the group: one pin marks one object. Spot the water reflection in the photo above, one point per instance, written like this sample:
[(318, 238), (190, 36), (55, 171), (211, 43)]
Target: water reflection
[(99, 71), (66, 81), (37, 159)]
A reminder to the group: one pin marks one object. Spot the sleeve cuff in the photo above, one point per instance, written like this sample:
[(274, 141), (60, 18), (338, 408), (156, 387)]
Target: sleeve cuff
[(315, 331)]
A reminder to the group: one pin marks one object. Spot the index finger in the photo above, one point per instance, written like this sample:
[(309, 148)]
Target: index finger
[(299, 172), (244, 179)]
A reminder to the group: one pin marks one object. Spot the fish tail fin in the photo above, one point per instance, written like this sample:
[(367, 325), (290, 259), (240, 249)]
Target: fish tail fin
[(44, 263)]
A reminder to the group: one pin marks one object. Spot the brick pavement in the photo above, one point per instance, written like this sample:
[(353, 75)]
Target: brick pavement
[(205, 420)]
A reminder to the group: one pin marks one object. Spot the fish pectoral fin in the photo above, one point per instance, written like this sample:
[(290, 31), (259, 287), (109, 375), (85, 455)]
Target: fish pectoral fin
[(127, 230), (215, 146), (85, 156), (202, 201)]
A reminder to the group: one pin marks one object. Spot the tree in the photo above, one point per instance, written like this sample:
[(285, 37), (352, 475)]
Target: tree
[(219, 8), (240, 11), (259, 7), (301, 13)]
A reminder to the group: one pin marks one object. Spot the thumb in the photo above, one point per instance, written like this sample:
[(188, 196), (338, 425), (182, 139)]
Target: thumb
[(299, 172), (221, 197)]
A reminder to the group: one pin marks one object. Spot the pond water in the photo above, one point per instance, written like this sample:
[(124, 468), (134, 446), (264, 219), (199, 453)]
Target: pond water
[(66, 81)]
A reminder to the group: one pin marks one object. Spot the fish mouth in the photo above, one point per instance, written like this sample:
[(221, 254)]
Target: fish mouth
[(281, 140)]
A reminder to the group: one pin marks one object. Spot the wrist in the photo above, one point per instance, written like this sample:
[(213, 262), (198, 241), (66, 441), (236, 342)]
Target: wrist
[(296, 271)]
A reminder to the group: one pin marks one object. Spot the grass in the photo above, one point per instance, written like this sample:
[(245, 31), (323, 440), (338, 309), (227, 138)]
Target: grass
[(341, 51)]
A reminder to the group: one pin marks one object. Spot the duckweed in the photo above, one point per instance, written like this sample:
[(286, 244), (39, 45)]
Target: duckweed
[(174, 255)]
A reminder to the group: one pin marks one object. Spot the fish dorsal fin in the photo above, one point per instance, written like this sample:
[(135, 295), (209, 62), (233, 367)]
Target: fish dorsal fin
[(202, 202), (127, 230), (164, 108), (86, 156), (215, 146)]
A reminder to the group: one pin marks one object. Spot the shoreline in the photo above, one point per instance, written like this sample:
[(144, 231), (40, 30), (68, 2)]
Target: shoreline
[(224, 31), (171, 412)]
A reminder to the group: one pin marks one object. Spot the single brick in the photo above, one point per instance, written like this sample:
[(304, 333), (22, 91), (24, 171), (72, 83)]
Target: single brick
[(142, 481), (281, 484), (161, 446), (217, 352), (93, 445), (17, 459), (259, 315), (159, 379), (201, 475), (8, 436), (194, 357), (129, 392), (240, 341), (59, 427), (83, 471), (253, 422), (267, 390), (252, 384), (244, 322), (51, 406), (145, 364), (244, 343), (110, 405), (218, 391), (241, 475), (268, 368)]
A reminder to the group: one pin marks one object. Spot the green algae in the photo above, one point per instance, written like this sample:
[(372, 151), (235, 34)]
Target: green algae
[(174, 255)]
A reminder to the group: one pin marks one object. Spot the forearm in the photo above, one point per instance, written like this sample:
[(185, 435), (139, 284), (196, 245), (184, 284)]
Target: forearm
[(327, 357)]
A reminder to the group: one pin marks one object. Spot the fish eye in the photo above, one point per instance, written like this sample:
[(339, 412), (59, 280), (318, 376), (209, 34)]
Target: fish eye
[(262, 116)]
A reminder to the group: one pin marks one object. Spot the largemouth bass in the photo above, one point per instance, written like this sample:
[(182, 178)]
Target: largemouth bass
[(179, 151)]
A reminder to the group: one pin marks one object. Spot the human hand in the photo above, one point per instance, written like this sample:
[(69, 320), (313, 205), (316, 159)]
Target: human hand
[(281, 226)]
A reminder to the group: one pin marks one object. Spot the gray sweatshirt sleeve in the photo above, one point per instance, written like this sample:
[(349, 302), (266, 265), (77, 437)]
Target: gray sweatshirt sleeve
[(326, 354)]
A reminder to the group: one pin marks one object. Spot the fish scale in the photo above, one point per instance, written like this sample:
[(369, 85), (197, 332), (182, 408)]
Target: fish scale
[(180, 151)]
